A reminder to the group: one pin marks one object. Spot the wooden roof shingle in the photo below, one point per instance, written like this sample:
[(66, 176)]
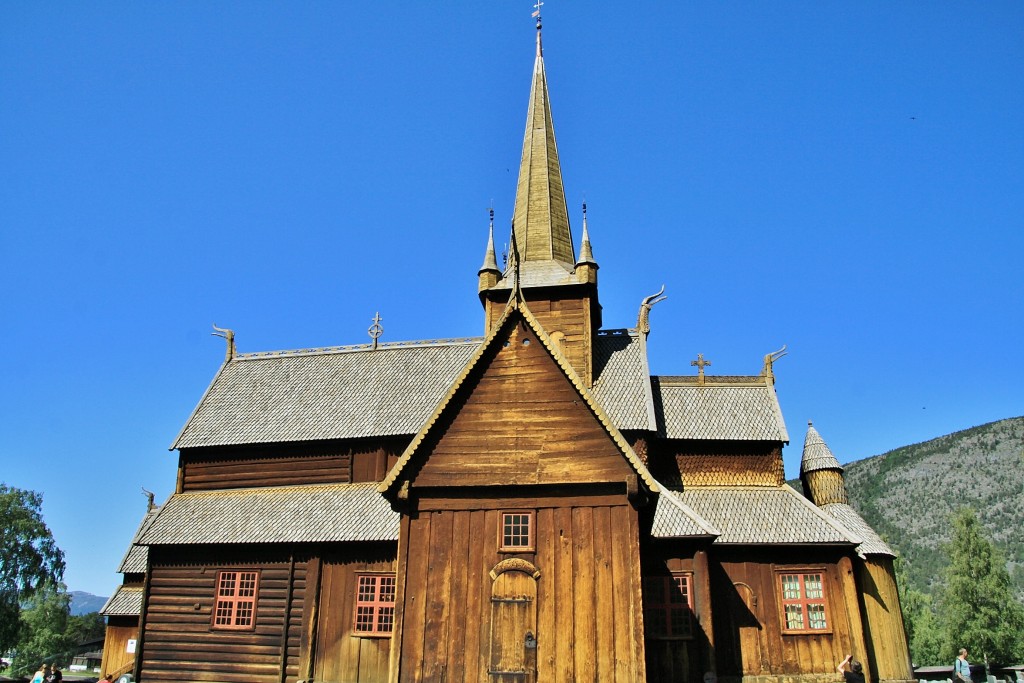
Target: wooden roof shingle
[(281, 514), (741, 408), (125, 602)]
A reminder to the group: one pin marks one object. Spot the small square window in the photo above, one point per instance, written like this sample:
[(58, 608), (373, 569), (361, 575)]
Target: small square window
[(375, 605), (668, 606), (235, 596), (516, 533), (803, 601)]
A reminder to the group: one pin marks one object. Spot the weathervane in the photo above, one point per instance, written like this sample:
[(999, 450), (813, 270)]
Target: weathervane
[(376, 329)]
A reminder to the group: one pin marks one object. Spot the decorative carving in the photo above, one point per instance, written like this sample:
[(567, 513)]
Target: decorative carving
[(640, 448), (643, 320), (769, 360), (228, 336), (514, 564)]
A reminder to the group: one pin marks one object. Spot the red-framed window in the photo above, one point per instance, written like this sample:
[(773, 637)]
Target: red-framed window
[(234, 605), (375, 605), (668, 606), (803, 601), (517, 531)]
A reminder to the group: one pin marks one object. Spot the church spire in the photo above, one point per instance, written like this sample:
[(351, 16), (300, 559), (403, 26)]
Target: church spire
[(540, 217)]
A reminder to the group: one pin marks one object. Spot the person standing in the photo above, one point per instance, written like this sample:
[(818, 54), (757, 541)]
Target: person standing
[(40, 675), (856, 672), (962, 668), (55, 675)]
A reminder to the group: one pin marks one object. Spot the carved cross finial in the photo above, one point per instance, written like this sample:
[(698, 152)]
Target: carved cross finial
[(701, 364), (376, 329)]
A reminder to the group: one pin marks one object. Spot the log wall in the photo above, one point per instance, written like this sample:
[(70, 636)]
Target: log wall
[(178, 642), (587, 614), (335, 462)]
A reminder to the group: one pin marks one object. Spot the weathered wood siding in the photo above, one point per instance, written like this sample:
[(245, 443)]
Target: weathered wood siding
[(521, 422), (588, 617), (288, 464), (749, 636), (681, 659), (340, 654), (178, 642), (115, 644), (883, 623)]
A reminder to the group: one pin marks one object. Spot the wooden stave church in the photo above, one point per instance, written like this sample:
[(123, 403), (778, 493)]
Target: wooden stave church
[(532, 505)]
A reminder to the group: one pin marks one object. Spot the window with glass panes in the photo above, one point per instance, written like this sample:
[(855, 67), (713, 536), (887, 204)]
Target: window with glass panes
[(803, 601), (668, 606), (516, 531), (375, 604), (235, 600)]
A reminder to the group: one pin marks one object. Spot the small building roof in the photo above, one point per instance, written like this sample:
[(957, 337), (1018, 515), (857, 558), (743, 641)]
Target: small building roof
[(281, 514), (125, 602), (766, 516), (720, 407)]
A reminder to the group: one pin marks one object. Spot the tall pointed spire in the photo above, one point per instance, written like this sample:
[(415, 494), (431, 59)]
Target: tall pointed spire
[(540, 217), (586, 252)]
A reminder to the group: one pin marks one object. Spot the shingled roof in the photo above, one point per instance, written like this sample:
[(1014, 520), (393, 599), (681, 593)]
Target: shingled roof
[(323, 513), (356, 391), (871, 542), (762, 516), (742, 408), (674, 519), (125, 602)]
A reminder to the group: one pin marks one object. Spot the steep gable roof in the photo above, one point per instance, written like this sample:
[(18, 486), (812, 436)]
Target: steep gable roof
[(720, 407), (515, 311)]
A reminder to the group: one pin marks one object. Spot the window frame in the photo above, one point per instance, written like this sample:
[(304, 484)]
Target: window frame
[(531, 532), (668, 582), (378, 604), (235, 599), (803, 601)]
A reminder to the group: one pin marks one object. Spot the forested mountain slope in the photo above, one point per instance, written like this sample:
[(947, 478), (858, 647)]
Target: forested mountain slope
[(909, 494)]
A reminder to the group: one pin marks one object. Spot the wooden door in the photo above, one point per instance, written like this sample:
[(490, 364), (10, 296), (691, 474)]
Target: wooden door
[(750, 633), (513, 653)]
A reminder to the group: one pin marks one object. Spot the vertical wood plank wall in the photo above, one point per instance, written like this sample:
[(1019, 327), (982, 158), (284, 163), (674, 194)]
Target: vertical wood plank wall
[(887, 636), (340, 655), (180, 645), (748, 616), (115, 645), (589, 621)]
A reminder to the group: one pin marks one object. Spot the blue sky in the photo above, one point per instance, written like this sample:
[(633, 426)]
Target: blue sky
[(843, 178)]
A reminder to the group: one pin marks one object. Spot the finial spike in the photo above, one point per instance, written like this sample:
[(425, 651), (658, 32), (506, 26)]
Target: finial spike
[(376, 329)]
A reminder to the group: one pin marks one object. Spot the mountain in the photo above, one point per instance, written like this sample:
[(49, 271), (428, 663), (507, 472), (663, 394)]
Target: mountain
[(83, 603), (909, 494)]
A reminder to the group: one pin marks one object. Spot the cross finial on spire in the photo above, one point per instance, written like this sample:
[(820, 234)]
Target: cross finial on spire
[(536, 15)]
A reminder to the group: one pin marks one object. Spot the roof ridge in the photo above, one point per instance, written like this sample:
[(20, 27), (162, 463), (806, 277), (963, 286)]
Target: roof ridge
[(350, 348)]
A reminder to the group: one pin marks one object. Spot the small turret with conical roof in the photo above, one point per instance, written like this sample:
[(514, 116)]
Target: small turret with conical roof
[(489, 274), (820, 472)]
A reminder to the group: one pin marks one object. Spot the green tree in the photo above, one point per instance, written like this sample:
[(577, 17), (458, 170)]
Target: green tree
[(979, 608), (44, 623), (29, 557), (84, 628), (925, 634)]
